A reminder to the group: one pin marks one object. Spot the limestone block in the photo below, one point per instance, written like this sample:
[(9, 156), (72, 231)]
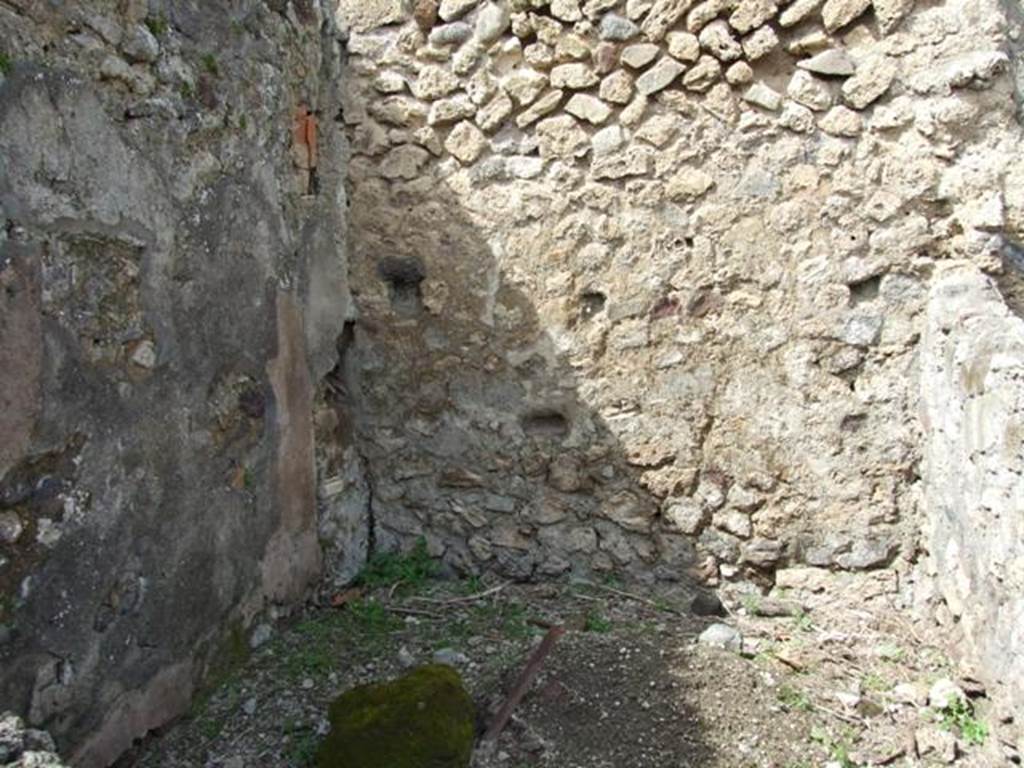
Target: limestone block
[(836, 14), (834, 61), (762, 95), (702, 75), (760, 43), (545, 105), (491, 22), (798, 11), (452, 9), (739, 73), (807, 90), (466, 142), (617, 88), (639, 55), (717, 39), (683, 46), (750, 14), (872, 80), (662, 17), (617, 28), (840, 121), (890, 13), (561, 137), (434, 82), (589, 108), (660, 76), (573, 76), (491, 116), (363, 15)]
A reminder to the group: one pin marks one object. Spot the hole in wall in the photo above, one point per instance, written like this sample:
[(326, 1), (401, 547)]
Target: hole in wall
[(865, 290), (403, 277), (592, 303), (545, 422), (1011, 281)]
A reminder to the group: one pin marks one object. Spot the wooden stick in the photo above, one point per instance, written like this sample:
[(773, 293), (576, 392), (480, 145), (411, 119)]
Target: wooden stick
[(638, 598), (467, 599), (412, 612), (840, 715), (523, 683)]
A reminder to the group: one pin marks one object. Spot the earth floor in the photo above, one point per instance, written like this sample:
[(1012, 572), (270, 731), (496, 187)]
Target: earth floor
[(628, 684)]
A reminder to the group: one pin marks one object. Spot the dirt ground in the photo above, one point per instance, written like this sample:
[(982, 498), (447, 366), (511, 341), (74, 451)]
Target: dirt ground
[(629, 684)]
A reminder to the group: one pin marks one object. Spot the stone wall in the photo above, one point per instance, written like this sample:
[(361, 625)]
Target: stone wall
[(973, 413), (641, 284), (173, 283)]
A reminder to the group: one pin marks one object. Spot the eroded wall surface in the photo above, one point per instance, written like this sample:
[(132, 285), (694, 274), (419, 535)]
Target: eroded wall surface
[(172, 285), (973, 414), (642, 284)]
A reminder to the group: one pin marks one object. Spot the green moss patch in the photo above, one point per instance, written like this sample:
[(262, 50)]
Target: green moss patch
[(422, 720)]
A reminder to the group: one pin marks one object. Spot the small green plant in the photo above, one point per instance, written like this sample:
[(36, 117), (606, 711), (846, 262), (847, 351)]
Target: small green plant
[(209, 62), (301, 751), (751, 603), (613, 580), (211, 727), (157, 25), (471, 585), (5, 63), (410, 569), (188, 91), (514, 622), (663, 605), (803, 621), (959, 715), (597, 622), (248, 478), (838, 749), (875, 682), (372, 618), (793, 698)]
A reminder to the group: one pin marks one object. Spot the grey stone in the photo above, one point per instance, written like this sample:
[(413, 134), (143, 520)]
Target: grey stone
[(750, 14), (872, 80), (589, 108), (702, 75), (11, 527), (659, 77), (574, 76), (722, 636), (618, 28), (944, 693), (717, 39), (454, 9), (140, 45), (835, 62), (762, 552), (935, 745), (451, 657), (260, 635), (763, 96), (450, 34), (491, 22), (639, 55), (838, 13)]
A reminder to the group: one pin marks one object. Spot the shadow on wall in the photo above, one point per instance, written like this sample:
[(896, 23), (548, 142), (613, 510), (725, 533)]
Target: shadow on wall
[(473, 434), (470, 418)]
